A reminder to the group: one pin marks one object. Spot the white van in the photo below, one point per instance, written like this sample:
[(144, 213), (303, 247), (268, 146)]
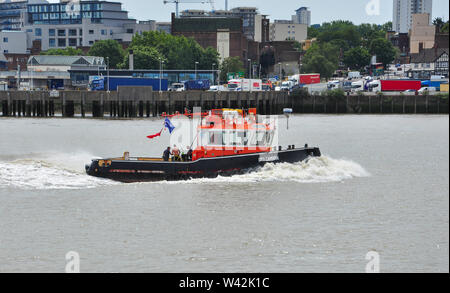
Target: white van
[(428, 89)]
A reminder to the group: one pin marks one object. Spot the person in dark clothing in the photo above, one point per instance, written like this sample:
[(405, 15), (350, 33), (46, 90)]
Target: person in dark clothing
[(189, 154), (166, 154)]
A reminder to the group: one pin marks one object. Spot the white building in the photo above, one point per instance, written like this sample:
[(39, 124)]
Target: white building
[(302, 16), (13, 42), (285, 30), (403, 11), (57, 26)]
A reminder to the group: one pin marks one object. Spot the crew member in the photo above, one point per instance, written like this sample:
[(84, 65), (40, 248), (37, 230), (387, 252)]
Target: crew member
[(189, 154), (166, 154), (175, 153)]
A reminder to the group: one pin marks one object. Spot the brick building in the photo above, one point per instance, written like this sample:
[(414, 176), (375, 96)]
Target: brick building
[(223, 34)]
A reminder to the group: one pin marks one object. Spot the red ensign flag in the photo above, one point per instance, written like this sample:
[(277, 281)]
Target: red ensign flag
[(155, 135)]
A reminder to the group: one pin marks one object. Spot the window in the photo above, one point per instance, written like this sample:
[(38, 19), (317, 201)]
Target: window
[(51, 32), (72, 32), (52, 43), (81, 32), (72, 42), (91, 32), (91, 42), (61, 42), (38, 32), (104, 32), (61, 33), (5, 40), (130, 31)]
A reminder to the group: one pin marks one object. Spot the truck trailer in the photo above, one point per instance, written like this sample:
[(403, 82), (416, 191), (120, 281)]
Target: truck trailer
[(312, 78), (395, 85), (245, 85), (112, 83), (197, 85)]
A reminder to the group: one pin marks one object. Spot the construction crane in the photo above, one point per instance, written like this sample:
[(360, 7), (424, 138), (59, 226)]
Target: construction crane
[(177, 3)]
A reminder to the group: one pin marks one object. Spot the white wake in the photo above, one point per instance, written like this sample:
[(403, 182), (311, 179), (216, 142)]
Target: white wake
[(316, 170), (49, 171)]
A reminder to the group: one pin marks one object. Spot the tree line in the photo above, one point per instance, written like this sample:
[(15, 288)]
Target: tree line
[(150, 49), (341, 43)]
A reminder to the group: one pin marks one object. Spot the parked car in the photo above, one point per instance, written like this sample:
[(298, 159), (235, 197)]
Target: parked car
[(177, 87), (410, 92), (217, 88)]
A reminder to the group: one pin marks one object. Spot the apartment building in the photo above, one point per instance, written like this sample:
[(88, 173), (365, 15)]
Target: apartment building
[(404, 10), (302, 16), (422, 34), (58, 25), (285, 30)]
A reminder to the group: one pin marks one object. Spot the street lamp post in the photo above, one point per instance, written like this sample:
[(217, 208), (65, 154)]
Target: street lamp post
[(161, 64), (280, 71), (213, 73), (196, 63), (107, 72)]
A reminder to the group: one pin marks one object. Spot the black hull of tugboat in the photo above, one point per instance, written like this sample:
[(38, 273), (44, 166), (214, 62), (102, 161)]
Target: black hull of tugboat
[(135, 170)]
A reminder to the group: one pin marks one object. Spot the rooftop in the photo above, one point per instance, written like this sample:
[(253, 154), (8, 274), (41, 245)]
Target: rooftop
[(428, 55), (65, 60)]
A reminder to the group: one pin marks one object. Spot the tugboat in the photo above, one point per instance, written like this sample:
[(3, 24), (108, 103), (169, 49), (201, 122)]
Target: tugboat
[(229, 142)]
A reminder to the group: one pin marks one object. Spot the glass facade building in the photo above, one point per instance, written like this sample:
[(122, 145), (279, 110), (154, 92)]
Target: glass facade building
[(63, 13)]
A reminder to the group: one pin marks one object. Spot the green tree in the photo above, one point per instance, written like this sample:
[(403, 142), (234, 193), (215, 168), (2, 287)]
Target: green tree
[(144, 58), (229, 65), (69, 51), (387, 26), (345, 32), (445, 28), (357, 58), (108, 48), (313, 32), (179, 51), (317, 63), (370, 32), (384, 50), (439, 23)]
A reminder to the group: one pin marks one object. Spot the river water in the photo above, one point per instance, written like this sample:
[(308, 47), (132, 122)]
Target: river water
[(382, 185)]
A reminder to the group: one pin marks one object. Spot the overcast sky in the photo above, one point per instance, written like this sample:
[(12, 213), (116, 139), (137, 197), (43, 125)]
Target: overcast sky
[(321, 10)]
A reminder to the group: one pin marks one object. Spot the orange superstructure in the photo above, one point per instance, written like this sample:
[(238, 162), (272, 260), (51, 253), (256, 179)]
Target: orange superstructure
[(229, 132)]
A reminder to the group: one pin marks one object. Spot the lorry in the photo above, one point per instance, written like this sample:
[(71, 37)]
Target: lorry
[(245, 85), (287, 85), (334, 84), (312, 78), (112, 83), (433, 83), (197, 85), (394, 85), (357, 86)]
